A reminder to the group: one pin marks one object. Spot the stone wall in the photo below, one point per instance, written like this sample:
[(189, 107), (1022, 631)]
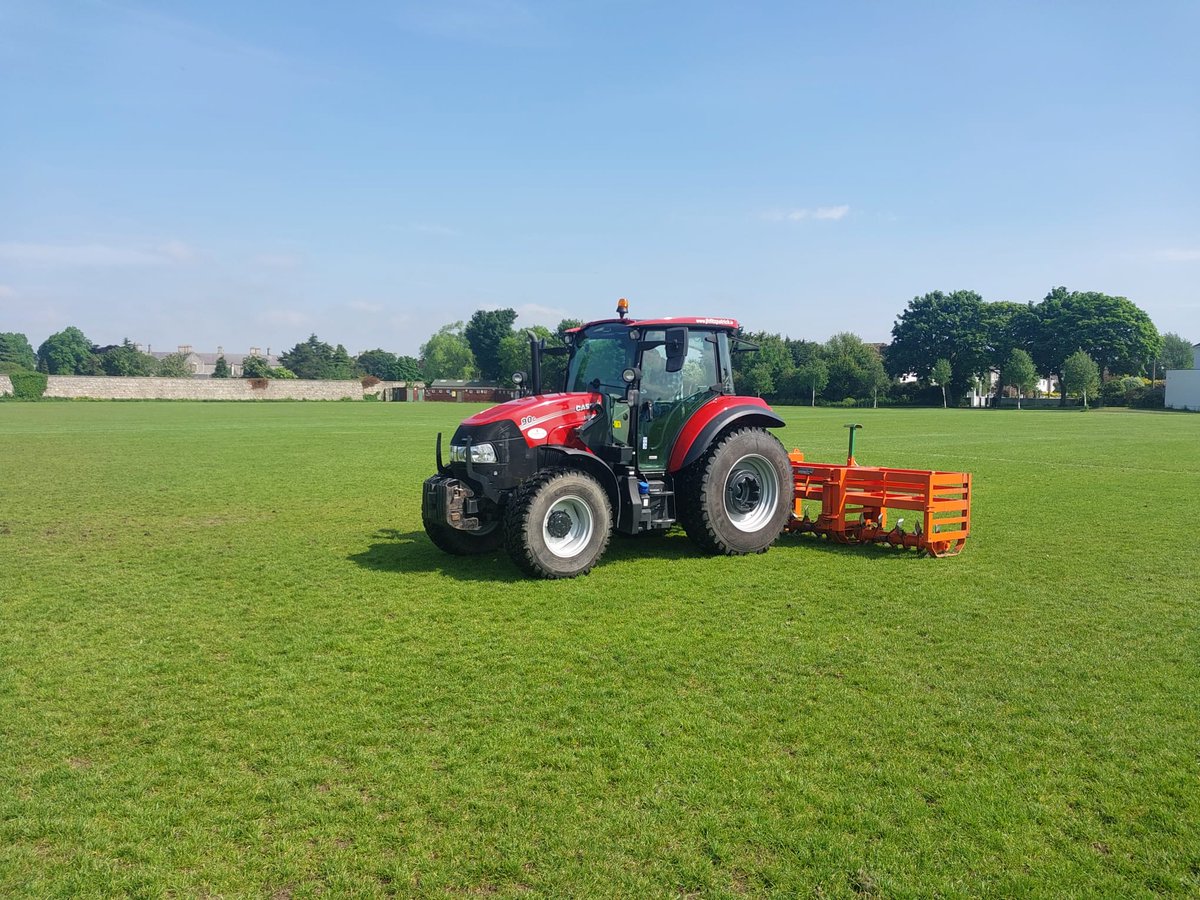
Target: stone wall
[(5, 385), (113, 388)]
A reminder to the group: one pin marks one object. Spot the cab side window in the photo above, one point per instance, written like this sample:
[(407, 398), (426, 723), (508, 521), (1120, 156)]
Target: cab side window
[(700, 367), (699, 372), (657, 382)]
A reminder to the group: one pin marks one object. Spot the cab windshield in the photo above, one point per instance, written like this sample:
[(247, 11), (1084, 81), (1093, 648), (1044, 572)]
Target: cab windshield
[(601, 354)]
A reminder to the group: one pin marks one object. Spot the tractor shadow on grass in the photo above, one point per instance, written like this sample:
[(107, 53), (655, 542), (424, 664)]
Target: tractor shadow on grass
[(393, 550)]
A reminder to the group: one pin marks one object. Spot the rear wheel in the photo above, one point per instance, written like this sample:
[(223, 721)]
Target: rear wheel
[(738, 496), (557, 524)]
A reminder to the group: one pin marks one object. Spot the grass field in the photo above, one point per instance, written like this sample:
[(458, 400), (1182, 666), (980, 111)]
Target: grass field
[(232, 664)]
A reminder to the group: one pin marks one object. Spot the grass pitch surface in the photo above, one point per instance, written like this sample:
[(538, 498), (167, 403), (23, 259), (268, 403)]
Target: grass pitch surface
[(232, 664)]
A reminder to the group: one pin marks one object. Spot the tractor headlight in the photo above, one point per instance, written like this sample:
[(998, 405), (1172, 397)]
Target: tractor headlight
[(480, 453), (483, 453)]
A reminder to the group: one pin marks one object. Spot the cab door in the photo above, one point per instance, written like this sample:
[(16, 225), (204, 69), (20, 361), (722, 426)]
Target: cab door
[(667, 399)]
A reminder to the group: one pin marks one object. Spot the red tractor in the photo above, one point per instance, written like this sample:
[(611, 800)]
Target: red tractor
[(646, 433)]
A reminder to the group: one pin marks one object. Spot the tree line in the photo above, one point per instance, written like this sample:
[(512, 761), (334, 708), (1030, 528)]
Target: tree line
[(943, 344)]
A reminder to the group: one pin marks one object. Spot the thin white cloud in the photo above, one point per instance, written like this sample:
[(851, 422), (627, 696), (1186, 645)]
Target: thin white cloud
[(822, 213), (277, 260), (831, 212), (176, 33), (1177, 254), (178, 251), (365, 307), (6, 292), (96, 255), (431, 228), (292, 318), (484, 21), (536, 314)]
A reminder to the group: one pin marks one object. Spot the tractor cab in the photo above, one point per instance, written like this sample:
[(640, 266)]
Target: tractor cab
[(650, 379)]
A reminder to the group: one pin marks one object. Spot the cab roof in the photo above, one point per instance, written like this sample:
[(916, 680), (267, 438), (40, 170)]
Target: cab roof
[(698, 321)]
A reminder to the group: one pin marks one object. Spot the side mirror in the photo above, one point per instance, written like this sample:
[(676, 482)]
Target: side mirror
[(677, 341)]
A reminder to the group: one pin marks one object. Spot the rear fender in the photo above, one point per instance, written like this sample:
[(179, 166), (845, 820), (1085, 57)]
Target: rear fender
[(719, 415)]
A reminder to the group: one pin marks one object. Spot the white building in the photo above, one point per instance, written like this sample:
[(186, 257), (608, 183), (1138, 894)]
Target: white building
[(1183, 385)]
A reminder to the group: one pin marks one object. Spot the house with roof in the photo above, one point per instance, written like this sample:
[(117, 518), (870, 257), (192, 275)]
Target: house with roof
[(1183, 385), (204, 364)]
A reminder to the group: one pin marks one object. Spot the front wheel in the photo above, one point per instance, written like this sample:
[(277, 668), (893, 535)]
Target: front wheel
[(557, 524), (738, 496)]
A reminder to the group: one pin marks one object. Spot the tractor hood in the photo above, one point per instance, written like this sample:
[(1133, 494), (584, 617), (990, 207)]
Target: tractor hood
[(543, 419)]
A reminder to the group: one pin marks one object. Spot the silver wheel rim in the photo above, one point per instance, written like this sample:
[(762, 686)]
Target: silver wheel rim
[(567, 526), (751, 493)]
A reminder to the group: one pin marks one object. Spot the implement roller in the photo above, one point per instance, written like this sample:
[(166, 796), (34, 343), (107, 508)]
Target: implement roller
[(855, 501)]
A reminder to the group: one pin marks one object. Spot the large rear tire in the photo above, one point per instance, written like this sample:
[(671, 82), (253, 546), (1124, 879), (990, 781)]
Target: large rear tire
[(736, 499), (464, 543), (557, 524)]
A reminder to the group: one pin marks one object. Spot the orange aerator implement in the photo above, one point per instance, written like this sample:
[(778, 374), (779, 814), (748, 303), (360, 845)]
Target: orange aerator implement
[(855, 501)]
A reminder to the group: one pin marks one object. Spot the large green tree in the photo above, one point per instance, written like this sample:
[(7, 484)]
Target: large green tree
[(804, 352), (258, 367), (1117, 335), (567, 325), (315, 359), (485, 332), (941, 326), (255, 367), (1176, 353), (850, 364), (388, 366), (67, 352), (126, 359), (175, 365), (765, 370), (447, 354), (408, 368), (515, 356), (16, 351), (379, 363)]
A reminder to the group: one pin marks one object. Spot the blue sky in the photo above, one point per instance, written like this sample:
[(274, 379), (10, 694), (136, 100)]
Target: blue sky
[(241, 175)]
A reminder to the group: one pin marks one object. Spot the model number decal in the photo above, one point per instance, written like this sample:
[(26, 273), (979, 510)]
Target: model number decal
[(528, 420)]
